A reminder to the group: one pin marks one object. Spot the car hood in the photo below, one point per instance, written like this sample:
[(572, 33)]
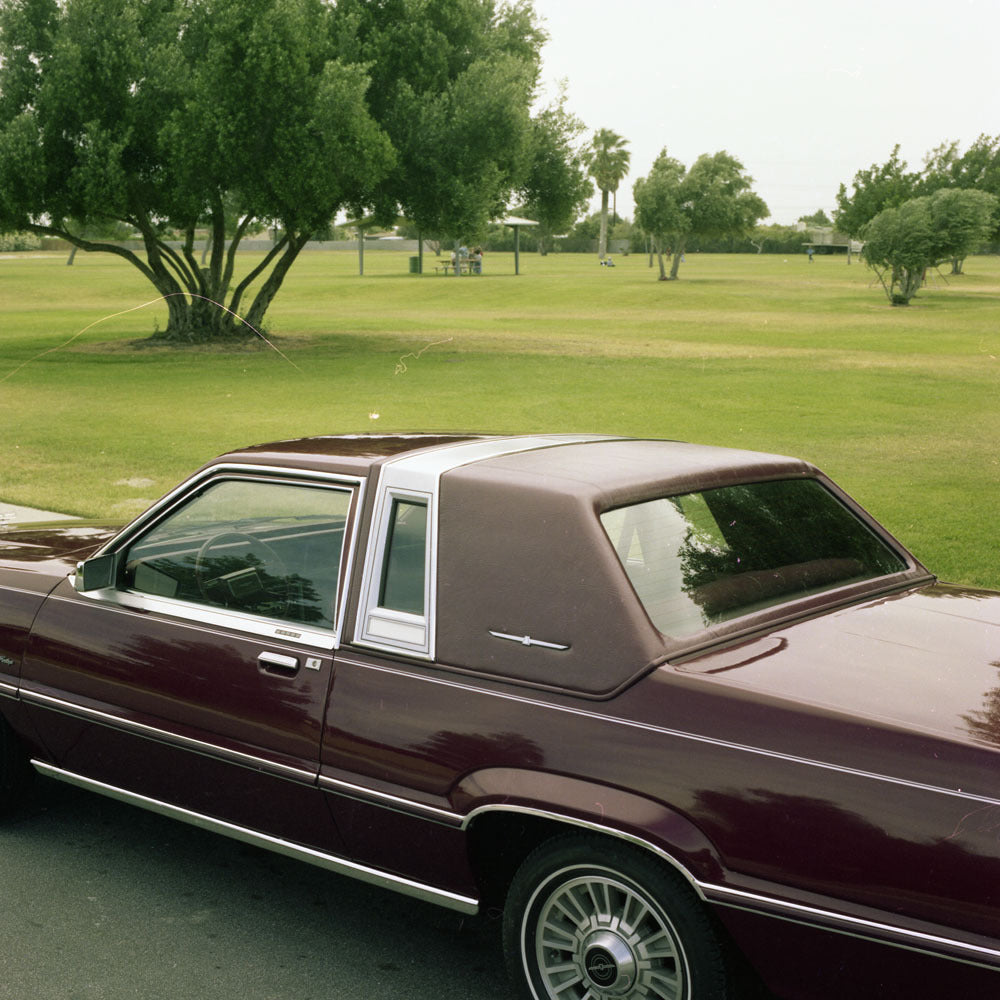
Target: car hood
[(926, 661), (48, 552)]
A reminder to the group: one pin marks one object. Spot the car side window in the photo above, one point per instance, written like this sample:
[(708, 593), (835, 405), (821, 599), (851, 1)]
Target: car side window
[(402, 586), (265, 549)]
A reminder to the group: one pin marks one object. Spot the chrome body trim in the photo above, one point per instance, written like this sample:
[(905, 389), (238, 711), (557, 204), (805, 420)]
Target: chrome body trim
[(854, 926), (165, 736), (586, 824), (41, 595), (331, 862), (337, 786), (681, 734), (770, 906), (8, 690)]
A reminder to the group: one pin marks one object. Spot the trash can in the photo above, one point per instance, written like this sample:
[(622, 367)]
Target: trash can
[(414, 265)]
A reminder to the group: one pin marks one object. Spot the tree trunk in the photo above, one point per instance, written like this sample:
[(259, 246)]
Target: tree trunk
[(602, 243), (676, 262), (956, 265), (195, 296), (659, 257), (904, 285), (255, 317)]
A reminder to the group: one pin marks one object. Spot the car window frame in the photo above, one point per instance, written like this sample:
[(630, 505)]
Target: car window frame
[(318, 637), (385, 628)]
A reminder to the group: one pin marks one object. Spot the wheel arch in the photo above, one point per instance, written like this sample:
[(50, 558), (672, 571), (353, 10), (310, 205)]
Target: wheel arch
[(515, 811)]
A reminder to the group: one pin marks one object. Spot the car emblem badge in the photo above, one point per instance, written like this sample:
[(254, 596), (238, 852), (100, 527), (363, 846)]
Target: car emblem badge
[(526, 640), (601, 968)]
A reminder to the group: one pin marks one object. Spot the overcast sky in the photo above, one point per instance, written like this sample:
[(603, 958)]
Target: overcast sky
[(804, 93)]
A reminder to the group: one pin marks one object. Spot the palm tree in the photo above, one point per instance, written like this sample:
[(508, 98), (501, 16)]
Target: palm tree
[(607, 162)]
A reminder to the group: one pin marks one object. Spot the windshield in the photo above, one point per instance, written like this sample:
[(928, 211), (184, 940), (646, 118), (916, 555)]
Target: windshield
[(703, 558)]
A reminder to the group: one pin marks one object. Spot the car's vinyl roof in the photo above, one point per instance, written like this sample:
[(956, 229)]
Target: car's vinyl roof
[(610, 467), (620, 469)]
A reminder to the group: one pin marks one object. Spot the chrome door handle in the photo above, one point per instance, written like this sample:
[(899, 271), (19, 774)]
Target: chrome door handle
[(276, 663)]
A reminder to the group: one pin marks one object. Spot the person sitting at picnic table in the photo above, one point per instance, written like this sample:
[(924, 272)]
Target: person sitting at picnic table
[(477, 260)]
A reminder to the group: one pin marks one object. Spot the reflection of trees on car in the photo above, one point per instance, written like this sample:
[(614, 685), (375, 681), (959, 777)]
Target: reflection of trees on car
[(792, 534), (985, 723), (244, 583)]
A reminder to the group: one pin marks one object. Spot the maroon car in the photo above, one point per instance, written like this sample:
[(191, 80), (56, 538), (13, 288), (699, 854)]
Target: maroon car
[(688, 714)]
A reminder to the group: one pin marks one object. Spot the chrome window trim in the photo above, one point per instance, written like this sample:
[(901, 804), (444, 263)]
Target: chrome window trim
[(195, 615), (225, 470), (269, 628), (332, 862), (680, 734), (169, 738), (183, 616), (419, 476), (372, 578)]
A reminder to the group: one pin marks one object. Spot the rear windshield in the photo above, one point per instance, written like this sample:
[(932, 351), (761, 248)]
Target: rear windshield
[(703, 558)]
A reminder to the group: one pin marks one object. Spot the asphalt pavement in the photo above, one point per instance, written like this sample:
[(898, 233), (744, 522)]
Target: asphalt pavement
[(103, 901)]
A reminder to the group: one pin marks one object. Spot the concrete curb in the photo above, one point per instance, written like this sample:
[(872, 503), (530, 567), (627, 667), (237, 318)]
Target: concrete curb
[(11, 514)]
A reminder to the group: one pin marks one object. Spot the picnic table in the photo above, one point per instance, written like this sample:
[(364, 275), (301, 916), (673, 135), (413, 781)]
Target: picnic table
[(464, 266)]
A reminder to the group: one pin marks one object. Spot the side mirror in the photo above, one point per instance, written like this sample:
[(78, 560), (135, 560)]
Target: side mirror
[(96, 574)]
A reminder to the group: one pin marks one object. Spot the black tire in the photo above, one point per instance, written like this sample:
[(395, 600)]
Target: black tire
[(590, 918), (15, 771)]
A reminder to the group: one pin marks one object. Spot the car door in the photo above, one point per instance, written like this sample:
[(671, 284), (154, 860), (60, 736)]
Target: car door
[(199, 678)]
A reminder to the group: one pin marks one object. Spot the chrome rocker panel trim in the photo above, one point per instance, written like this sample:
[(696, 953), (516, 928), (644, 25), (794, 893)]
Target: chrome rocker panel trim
[(891, 935), (340, 866)]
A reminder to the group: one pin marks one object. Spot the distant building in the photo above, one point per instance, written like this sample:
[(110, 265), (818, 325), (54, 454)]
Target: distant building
[(828, 238)]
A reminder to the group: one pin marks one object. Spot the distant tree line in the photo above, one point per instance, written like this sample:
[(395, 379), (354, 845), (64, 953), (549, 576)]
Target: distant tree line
[(161, 120)]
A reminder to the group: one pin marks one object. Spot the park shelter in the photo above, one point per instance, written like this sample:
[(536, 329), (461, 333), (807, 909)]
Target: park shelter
[(515, 223)]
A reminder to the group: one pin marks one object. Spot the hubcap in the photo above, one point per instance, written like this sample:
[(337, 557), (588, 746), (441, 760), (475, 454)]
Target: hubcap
[(599, 937), (609, 963)]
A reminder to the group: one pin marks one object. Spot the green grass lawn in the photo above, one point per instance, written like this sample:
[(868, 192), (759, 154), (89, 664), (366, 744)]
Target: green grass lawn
[(899, 405)]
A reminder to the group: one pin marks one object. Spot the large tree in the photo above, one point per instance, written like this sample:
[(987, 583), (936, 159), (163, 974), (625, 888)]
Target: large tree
[(452, 85), (902, 242), (714, 198), (658, 210), (881, 186), (556, 187), (977, 169), (607, 160), (164, 114), (155, 112)]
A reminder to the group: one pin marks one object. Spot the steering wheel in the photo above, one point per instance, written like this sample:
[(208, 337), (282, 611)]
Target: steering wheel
[(254, 580)]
